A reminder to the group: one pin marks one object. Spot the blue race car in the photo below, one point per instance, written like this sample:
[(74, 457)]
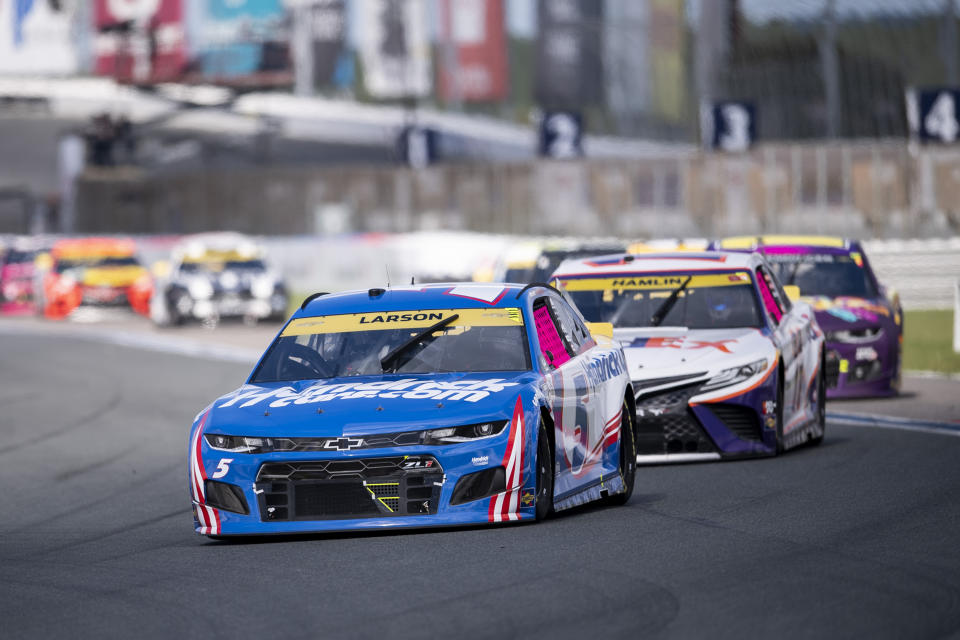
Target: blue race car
[(437, 405)]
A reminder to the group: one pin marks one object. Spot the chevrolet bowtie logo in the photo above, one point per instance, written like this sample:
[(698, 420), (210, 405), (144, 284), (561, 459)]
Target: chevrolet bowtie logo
[(343, 444)]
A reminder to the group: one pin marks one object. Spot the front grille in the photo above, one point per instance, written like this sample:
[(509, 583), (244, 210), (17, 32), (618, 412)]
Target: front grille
[(832, 369), (666, 424), (865, 371), (743, 421), (349, 488), (400, 439)]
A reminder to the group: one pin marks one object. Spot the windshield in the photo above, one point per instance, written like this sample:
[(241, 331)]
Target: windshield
[(824, 274), (96, 262), (355, 344), (717, 300), (548, 261), (15, 256), (217, 266)]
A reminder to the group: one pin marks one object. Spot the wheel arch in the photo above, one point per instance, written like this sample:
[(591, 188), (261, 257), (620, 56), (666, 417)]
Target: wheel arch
[(547, 417), (631, 401)]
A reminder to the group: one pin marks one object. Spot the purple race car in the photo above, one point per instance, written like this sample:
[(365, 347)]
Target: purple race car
[(863, 321)]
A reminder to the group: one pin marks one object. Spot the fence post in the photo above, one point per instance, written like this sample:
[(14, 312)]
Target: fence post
[(956, 316)]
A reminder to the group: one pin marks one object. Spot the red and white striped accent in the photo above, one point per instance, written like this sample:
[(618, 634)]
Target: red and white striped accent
[(503, 506), (208, 516), (610, 436)]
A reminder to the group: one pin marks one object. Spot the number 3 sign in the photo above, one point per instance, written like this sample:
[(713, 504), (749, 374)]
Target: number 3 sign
[(730, 126)]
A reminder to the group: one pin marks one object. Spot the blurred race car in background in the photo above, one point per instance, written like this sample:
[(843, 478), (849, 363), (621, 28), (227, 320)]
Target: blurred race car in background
[(17, 275), (534, 261), (94, 273), (863, 321), (418, 406), (723, 364), (212, 276)]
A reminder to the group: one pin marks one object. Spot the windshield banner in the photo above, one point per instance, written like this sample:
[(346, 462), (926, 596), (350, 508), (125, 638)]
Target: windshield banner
[(656, 281), (413, 319)]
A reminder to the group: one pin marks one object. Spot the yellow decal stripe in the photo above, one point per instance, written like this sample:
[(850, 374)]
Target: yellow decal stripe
[(747, 242), (640, 282), (413, 319)]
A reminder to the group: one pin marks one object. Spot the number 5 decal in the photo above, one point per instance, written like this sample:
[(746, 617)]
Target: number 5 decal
[(222, 468)]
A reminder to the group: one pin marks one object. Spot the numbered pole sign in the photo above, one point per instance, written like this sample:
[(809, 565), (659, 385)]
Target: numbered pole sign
[(561, 134), (730, 126), (933, 114), (417, 146)]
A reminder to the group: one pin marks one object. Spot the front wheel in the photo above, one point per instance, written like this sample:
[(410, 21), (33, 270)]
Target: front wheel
[(821, 406), (628, 457), (778, 413), (545, 472)]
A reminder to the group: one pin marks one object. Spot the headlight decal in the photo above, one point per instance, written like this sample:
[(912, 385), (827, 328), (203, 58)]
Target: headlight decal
[(735, 375)]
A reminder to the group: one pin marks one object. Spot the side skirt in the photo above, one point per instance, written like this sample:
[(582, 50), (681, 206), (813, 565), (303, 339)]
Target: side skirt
[(595, 491), (668, 458)]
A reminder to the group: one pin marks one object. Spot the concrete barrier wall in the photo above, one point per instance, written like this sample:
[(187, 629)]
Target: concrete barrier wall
[(876, 190)]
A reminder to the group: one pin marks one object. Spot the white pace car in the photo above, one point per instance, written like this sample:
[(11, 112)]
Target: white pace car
[(724, 364), (211, 276)]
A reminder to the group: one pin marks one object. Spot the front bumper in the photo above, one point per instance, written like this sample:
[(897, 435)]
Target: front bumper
[(859, 370), (232, 305), (673, 426), (409, 486)]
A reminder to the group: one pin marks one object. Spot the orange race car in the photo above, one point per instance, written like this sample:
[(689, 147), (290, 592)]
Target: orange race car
[(95, 272)]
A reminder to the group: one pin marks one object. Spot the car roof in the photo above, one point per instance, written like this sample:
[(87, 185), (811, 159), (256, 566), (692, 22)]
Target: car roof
[(657, 262), (450, 295)]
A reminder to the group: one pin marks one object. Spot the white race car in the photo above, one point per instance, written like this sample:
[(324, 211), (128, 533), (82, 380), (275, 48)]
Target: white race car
[(723, 363), (212, 276)]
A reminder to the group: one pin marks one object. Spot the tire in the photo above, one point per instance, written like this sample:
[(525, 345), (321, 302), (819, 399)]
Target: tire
[(779, 412), (628, 457), (821, 404), (545, 474)]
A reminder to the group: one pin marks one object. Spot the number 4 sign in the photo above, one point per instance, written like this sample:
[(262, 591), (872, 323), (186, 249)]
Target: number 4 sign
[(933, 115)]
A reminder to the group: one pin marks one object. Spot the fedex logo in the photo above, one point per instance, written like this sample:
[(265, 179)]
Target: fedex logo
[(681, 343)]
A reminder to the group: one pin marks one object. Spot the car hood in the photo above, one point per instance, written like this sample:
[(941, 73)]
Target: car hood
[(675, 351), (367, 404), (16, 270), (112, 276), (848, 313)]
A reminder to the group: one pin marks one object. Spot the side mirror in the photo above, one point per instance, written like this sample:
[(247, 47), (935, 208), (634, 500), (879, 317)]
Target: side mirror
[(792, 291), (160, 269), (601, 329)]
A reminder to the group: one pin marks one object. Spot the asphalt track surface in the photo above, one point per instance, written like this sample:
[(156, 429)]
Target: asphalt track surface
[(855, 538)]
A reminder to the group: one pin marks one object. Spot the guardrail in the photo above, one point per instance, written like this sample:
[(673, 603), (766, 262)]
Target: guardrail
[(924, 272)]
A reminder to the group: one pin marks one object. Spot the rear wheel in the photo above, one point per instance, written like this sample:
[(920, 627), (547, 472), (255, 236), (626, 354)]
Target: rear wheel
[(544, 467), (628, 457)]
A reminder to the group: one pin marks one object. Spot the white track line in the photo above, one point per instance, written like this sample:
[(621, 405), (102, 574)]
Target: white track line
[(889, 422), (163, 344)]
